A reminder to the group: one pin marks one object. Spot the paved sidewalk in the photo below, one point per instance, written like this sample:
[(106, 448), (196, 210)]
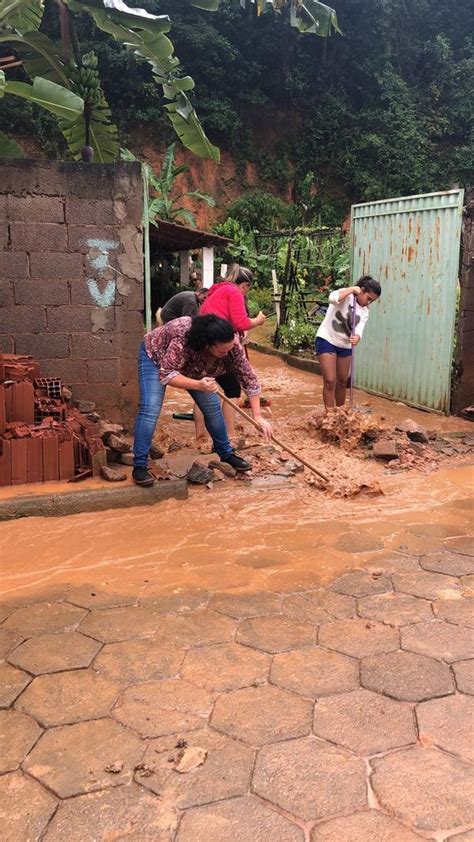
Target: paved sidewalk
[(341, 713)]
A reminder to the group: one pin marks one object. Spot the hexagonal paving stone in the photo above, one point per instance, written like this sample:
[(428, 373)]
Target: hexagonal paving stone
[(8, 641), (358, 542), (131, 661), (360, 583), (467, 583), (245, 605), (406, 676), (258, 715), (457, 611), (87, 596), (44, 618), (394, 563), (74, 759), (358, 721), (127, 812), (426, 585), (18, 734), (463, 545), (395, 609), (239, 820), (449, 724), (275, 633), (226, 666), (310, 779), (438, 640), (114, 624), (435, 530), (202, 628), (12, 682), (315, 672), (163, 707), (55, 652), (60, 699), (425, 788), (52, 593), (5, 610), (25, 808), (293, 580), (175, 603), (358, 637), (452, 564), (464, 674), (463, 837), (225, 772), (370, 826), (319, 606)]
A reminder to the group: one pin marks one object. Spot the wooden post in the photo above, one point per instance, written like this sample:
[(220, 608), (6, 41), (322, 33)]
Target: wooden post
[(276, 296)]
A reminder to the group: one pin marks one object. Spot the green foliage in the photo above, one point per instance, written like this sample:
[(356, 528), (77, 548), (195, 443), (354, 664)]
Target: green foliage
[(258, 211), (260, 298), (297, 335)]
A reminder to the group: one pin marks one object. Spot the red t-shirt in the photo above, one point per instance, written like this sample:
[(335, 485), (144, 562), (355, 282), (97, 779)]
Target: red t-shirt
[(226, 300)]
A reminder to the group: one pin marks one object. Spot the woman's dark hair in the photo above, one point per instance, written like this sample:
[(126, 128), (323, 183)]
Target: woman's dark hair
[(369, 284), (239, 275), (208, 330)]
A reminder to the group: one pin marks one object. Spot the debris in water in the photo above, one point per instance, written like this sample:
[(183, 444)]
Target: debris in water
[(190, 759), (344, 426), (114, 768)]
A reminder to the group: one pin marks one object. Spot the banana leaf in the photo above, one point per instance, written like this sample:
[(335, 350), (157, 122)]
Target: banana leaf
[(22, 15), (103, 135), (41, 56), (61, 102)]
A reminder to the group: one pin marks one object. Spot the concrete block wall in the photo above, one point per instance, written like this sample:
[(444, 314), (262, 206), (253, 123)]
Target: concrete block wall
[(71, 275)]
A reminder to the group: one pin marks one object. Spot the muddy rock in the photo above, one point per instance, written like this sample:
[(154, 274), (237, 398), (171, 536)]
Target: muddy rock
[(294, 467), (84, 406), (156, 452), (223, 467), (112, 474), (417, 448), (106, 428), (119, 443), (419, 435), (112, 456), (385, 449), (66, 393), (200, 474), (126, 459)]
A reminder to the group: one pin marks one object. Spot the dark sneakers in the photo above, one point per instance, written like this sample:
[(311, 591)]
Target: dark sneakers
[(237, 463), (142, 476)]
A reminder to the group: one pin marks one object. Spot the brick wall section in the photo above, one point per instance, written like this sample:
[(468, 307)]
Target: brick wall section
[(464, 391), (62, 226)]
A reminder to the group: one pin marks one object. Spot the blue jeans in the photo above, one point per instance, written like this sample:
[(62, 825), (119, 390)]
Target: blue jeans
[(152, 393)]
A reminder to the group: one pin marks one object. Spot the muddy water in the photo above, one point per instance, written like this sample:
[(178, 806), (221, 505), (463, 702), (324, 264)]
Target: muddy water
[(273, 533)]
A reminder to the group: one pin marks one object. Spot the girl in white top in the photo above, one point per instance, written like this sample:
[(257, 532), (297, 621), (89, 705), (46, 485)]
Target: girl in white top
[(335, 339)]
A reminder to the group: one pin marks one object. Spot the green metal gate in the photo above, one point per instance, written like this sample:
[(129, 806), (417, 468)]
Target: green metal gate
[(411, 245)]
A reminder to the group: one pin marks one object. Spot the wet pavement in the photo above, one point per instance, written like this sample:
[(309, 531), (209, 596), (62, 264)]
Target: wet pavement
[(256, 663)]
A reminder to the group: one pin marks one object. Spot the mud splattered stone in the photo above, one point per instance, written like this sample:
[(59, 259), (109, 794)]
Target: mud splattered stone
[(464, 545), (319, 606), (72, 759), (18, 734), (406, 676), (434, 530), (25, 808), (8, 641), (114, 624), (245, 605), (275, 633), (364, 722), (464, 675), (452, 564), (201, 628), (239, 820), (225, 772), (395, 609), (44, 618), (426, 585), (259, 715), (12, 682), (457, 611), (358, 542), (395, 563), (125, 813), (179, 603), (163, 707), (67, 697), (90, 597), (310, 779), (425, 788), (358, 637), (315, 672), (226, 666), (55, 652), (439, 640), (131, 661), (359, 583), (370, 826), (449, 724)]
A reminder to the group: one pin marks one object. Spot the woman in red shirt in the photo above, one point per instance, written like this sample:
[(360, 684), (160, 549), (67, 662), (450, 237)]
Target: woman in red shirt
[(227, 300)]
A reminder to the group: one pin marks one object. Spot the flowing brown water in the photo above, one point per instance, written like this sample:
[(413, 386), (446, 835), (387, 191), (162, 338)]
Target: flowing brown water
[(273, 533)]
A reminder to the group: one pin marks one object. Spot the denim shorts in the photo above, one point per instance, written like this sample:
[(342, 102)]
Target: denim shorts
[(322, 346)]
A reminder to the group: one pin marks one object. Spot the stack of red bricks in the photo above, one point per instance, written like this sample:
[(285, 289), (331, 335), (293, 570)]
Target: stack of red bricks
[(42, 437)]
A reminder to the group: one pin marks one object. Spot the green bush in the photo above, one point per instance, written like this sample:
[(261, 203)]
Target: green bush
[(296, 335)]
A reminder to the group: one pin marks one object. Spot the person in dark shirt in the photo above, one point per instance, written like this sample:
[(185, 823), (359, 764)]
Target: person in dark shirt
[(185, 303)]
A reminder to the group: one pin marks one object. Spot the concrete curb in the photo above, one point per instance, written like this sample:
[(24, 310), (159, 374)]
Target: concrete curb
[(297, 362), (91, 500)]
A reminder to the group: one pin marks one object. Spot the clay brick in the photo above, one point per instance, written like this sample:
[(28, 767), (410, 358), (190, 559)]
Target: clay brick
[(95, 345), (13, 265), (3, 410), (66, 459), (35, 209), (85, 212), (7, 344), (56, 265), (5, 463), (103, 371), (79, 235), (42, 346), (19, 461), (69, 371), (6, 293), (55, 291), (22, 402), (35, 459), (69, 319), (50, 445), (38, 236), (22, 319)]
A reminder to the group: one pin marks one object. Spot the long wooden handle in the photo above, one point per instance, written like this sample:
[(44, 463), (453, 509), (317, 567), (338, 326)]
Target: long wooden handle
[(279, 443)]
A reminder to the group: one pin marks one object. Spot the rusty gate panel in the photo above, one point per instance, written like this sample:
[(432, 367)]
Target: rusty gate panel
[(411, 245)]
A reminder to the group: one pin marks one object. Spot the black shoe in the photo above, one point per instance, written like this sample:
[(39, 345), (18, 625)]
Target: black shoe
[(142, 476), (236, 462)]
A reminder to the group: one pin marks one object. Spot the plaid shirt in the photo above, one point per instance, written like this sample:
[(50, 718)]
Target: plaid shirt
[(166, 346)]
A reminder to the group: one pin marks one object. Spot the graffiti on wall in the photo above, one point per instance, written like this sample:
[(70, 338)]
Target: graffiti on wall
[(98, 257)]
